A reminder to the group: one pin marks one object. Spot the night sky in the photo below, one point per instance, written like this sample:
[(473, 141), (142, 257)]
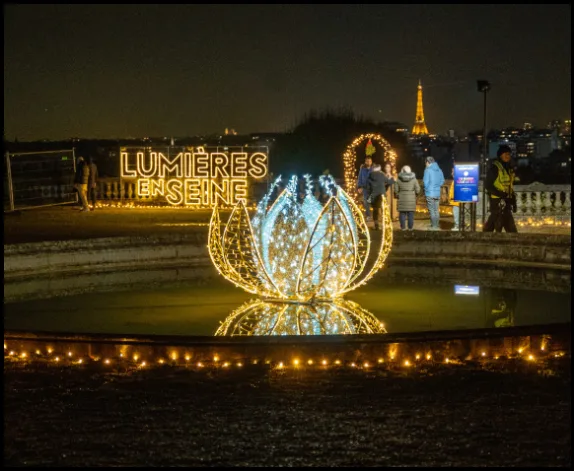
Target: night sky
[(150, 70)]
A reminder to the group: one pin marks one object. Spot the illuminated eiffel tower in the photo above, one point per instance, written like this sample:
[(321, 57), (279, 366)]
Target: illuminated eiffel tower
[(420, 128)]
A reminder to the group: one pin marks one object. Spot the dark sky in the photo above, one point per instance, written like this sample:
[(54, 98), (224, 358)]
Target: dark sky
[(150, 70)]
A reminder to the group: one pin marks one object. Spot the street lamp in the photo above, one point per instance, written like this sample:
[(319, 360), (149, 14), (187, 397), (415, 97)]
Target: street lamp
[(483, 87)]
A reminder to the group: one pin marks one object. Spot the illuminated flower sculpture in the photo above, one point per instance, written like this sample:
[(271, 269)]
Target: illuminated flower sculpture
[(258, 317), (297, 249)]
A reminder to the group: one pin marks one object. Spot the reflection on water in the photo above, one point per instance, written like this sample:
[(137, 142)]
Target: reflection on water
[(404, 305), (502, 308), (258, 317)]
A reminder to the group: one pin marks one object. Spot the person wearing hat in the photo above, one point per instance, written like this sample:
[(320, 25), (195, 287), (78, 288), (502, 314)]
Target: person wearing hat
[(499, 184), (376, 189)]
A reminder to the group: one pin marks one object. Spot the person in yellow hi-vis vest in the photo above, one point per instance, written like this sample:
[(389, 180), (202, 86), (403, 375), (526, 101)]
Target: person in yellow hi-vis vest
[(455, 206), (499, 184)]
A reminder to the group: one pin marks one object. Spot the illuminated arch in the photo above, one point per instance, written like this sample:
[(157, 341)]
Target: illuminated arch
[(350, 161)]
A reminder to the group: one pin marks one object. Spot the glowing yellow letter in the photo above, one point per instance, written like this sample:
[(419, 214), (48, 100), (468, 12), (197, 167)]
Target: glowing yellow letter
[(258, 162)]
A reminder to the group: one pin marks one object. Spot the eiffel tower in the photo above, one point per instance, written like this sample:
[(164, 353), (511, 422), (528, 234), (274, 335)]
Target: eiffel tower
[(420, 128)]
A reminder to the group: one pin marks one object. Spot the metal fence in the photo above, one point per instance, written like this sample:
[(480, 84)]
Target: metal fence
[(37, 179)]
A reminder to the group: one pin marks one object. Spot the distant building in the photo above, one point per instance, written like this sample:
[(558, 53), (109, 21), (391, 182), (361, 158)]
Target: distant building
[(555, 124), (441, 151), (475, 146), (545, 142), (461, 151), (494, 145), (396, 126), (417, 149), (264, 139), (564, 140), (561, 126), (529, 143)]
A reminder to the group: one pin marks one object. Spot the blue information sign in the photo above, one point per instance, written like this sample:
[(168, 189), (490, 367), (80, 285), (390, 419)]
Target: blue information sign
[(466, 183)]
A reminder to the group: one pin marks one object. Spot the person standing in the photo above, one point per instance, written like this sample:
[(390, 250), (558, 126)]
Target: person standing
[(455, 205), (391, 176), (81, 182), (364, 173), (407, 189), (376, 187), (433, 179), (499, 184), (93, 183)]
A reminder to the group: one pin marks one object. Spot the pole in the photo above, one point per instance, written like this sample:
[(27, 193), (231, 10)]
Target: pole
[(484, 161), (10, 187), (73, 184)]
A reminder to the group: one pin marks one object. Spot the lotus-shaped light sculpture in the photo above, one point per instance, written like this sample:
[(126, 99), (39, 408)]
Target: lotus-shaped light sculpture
[(339, 317), (297, 249)]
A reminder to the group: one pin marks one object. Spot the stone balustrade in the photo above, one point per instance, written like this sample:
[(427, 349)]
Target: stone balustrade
[(118, 191), (543, 201), (536, 202)]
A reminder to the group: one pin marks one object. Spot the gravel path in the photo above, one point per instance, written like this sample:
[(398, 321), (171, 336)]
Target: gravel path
[(259, 416), (67, 223)]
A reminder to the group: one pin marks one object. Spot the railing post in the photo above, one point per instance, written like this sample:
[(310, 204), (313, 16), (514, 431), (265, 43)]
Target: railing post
[(528, 203), (519, 203), (538, 202), (547, 202), (10, 186), (557, 202)]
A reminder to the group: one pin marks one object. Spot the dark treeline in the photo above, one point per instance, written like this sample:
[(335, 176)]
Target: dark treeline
[(318, 142)]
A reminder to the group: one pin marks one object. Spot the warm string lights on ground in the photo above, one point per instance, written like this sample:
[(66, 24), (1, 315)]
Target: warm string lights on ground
[(182, 224), (444, 211), (176, 357), (351, 166), (132, 205), (530, 222), (520, 221), (296, 249)]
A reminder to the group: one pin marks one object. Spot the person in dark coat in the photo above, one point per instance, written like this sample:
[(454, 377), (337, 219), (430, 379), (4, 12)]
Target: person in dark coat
[(81, 182), (93, 183), (407, 189), (364, 172), (376, 188)]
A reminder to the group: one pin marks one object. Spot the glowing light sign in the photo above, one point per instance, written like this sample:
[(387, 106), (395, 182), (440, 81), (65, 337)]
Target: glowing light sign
[(193, 176)]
